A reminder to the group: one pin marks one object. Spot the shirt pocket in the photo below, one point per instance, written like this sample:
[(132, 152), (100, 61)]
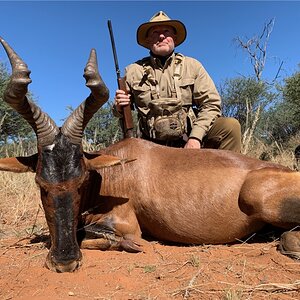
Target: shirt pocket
[(141, 94), (187, 87)]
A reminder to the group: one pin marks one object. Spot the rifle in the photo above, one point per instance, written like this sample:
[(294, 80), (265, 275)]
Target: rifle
[(127, 115)]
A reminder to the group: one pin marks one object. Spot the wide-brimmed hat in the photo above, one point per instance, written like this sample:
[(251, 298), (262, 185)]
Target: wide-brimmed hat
[(160, 18)]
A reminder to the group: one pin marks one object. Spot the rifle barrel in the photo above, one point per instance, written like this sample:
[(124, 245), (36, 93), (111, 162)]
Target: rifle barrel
[(113, 45)]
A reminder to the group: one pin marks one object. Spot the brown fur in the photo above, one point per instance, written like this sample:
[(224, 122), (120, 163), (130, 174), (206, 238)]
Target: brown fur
[(195, 196)]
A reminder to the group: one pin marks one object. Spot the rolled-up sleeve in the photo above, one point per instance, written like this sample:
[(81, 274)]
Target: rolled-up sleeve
[(207, 100)]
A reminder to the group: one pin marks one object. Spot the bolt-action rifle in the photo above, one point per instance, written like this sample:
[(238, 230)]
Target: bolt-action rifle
[(127, 115)]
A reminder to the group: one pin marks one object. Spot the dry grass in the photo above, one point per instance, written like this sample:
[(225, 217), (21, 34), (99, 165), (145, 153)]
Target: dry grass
[(19, 205), (274, 152), (19, 194), (20, 148)]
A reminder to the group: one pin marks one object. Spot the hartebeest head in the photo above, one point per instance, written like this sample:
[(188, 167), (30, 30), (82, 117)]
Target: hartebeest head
[(60, 164)]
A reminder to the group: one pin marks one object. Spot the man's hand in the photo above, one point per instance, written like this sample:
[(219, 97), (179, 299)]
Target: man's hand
[(121, 99), (192, 144)]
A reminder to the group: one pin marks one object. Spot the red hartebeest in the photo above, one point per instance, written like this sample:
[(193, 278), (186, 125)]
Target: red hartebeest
[(106, 200)]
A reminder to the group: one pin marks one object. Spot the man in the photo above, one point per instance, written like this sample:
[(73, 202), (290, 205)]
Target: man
[(177, 102)]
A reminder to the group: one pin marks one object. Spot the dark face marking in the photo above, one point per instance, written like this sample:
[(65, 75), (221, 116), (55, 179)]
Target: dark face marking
[(64, 233), (61, 161)]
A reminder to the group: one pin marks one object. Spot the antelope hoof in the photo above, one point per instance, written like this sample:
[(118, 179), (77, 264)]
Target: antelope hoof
[(130, 246), (290, 244)]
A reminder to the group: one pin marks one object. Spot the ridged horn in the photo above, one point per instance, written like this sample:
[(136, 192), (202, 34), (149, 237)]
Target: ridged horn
[(15, 95), (75, 124)]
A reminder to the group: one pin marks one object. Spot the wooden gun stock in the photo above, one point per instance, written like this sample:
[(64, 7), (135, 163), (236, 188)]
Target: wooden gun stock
[(127, 115)]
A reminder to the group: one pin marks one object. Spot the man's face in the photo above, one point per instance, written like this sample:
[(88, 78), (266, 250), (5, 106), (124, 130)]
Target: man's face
[(161, 39)]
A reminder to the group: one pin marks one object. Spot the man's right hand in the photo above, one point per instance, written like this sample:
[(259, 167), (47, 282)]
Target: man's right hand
[(121, 99), (193, 143)]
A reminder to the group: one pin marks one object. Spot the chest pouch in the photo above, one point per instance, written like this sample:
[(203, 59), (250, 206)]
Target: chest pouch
[(166, 119)]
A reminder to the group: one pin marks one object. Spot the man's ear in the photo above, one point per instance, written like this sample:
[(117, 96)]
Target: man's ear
[(19, 164)]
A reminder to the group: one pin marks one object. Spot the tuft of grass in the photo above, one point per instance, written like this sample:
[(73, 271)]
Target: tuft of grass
[(232, 295), (149, 269), (194, 261)]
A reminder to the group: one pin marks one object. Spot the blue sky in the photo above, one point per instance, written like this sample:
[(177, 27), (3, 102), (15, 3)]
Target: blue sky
[(54, 38)]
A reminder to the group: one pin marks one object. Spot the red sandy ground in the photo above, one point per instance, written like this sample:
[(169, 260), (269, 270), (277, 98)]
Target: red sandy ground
[(241, 271)]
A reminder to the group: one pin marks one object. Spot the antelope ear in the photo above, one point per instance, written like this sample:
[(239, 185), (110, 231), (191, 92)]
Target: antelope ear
[(98, 161), (19, 164)]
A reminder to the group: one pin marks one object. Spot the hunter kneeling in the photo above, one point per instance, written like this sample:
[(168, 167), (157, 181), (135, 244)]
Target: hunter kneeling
[(177, 102)]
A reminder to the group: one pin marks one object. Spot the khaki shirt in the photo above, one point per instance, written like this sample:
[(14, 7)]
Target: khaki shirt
[(147, 79)]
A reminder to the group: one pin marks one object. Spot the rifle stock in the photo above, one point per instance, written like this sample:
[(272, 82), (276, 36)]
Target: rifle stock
[(127, 115)]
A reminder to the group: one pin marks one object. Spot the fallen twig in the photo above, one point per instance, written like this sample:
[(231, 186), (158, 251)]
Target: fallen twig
[(190, 285), (265, 287)]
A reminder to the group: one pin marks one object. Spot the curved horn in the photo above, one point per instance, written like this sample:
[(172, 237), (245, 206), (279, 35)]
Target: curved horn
[(74, 126), (15, 96)]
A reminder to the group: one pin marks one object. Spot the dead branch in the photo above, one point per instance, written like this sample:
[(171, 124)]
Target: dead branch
[(256, 47)]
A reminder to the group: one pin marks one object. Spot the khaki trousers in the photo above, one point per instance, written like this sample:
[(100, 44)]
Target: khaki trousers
[(224, 134)]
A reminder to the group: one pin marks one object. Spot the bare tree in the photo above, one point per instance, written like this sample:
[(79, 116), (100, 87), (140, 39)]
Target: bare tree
[(256, 47)]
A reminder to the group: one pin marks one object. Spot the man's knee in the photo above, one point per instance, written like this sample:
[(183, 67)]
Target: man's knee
[(225, 134), (232, 140), (232, 126), (227, 126)]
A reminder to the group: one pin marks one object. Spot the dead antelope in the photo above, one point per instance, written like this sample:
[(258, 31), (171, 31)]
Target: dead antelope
[(106, 200)]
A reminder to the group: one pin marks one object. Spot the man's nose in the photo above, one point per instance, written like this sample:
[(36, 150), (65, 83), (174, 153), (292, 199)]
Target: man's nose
[(162, 36)]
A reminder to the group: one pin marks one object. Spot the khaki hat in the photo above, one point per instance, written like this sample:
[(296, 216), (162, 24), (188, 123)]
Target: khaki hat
[(160, 18)]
